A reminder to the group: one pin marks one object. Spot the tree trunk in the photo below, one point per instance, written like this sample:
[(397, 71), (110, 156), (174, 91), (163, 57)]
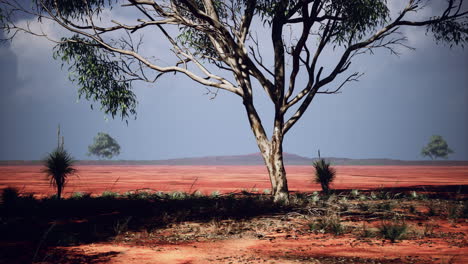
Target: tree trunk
[(277, 174), (59, 192), (272, 152)]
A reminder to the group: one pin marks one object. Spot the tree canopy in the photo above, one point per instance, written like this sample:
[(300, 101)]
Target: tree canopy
[(436, 148), (104, 146)]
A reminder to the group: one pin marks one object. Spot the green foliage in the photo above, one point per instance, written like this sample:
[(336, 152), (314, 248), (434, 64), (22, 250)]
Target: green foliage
[(393, 231), (109, 194), (354, 193), (324, 174), (80, 195), (72, 8), (436, 148), (360, 17), (99, 74), (58, 166), (215, 194), (104, 146), (450, 31)]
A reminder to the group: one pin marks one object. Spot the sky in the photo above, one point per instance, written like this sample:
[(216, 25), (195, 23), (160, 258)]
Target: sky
[(390, 113)]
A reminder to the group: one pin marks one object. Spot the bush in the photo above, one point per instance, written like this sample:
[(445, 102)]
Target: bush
[(177, 195), (80, 195), (385, 206), (366, 232), (109, 194), (393, 231), (324, 174), (328, 224), (10, 195)]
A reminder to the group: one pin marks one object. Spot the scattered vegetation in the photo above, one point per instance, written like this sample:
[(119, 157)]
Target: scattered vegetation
[(171, 217)]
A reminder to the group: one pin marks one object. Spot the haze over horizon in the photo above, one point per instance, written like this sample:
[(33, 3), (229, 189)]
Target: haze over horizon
[(390, 113)]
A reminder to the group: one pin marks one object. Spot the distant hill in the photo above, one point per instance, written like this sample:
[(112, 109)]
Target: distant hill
[(251, 159)]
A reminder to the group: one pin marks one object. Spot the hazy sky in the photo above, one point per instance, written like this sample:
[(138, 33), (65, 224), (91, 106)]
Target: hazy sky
[(390, 113)]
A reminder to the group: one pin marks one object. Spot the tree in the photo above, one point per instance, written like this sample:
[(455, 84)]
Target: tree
[(58, 166), (436, 148), (104, 146), (214, 43)]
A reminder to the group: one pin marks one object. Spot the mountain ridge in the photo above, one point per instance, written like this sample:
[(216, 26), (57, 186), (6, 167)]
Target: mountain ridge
[(252, 159)]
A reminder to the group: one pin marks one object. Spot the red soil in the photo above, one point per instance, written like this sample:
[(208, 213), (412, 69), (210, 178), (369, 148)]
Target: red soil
[(278, 247), (96, 179)]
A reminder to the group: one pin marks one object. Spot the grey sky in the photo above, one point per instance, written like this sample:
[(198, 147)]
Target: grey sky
[(391, 113)]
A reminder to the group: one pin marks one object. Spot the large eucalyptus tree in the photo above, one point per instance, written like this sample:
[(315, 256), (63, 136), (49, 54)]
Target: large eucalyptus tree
[(215, 43)]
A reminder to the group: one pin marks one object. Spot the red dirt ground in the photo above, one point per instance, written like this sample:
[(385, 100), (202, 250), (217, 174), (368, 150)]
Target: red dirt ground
[(281, 248), (96, 179)]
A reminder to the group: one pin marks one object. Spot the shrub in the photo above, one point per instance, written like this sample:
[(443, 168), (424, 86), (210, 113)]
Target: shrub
[(315, 198), (330, 223), (414, 195), (10, 195), (121, 225), (453, 211), (366, 232), (198, 194), (143, 195), (393, 231), (324, 174), (109, 194), (433, 208), (364, 206), (80, 195), (465, 209), (354, 193), (177, 195), (385, 206), (58, 166)]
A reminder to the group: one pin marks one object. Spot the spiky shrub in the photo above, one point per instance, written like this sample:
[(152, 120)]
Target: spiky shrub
[(324, 174), (58, 166), (393, 231)]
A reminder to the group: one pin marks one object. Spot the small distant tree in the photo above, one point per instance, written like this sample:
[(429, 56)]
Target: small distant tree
[(58, 166), (436, 148), (104, 146), (324, 174)]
